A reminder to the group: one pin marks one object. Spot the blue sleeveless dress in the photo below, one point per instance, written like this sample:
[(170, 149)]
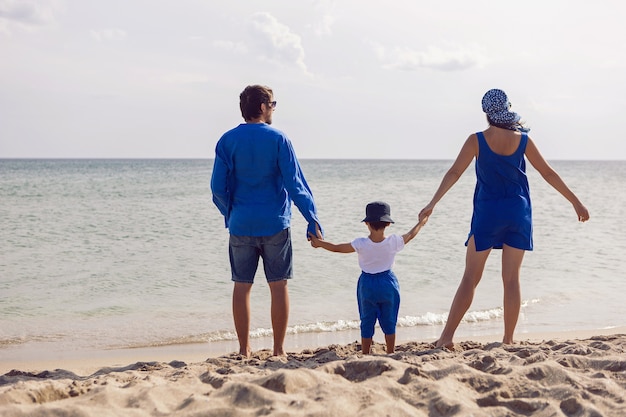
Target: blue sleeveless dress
[(502, 209)]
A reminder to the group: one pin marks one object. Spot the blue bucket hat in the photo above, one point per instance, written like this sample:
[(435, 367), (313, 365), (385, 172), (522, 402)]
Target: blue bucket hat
[(378, 211), (496, 104)]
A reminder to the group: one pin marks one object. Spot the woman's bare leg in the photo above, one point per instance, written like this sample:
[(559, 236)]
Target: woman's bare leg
[(474, 267), (511, 264)]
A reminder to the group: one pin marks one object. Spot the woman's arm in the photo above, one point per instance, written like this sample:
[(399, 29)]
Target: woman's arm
[(468, 152), (550, 175)]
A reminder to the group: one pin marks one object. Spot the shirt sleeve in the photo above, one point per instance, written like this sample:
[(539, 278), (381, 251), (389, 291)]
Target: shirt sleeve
[(219, 184), (398, 242), (297, 187)]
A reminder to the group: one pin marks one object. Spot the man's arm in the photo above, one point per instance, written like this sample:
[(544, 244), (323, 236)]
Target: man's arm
[(298, 188), (219, 186)]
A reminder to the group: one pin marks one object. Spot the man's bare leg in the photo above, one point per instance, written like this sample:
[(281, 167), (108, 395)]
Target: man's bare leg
[(241, 316), (280, 314)]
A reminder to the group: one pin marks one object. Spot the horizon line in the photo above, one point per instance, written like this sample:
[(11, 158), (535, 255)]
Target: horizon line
[(114, 158)]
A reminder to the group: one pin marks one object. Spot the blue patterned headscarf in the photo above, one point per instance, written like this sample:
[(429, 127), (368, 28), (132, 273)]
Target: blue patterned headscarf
[(496, 104)]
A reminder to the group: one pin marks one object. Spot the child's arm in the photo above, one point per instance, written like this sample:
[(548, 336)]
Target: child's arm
[(408, 236), (332, 247)]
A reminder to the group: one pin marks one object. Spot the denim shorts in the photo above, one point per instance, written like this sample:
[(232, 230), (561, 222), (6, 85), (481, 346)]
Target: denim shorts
[(378, 296), (276, 251)]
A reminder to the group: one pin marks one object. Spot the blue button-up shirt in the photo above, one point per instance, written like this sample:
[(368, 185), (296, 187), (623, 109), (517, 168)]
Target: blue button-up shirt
[(256, 176)]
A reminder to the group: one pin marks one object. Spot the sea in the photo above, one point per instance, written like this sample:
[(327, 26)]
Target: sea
[(100, 255)]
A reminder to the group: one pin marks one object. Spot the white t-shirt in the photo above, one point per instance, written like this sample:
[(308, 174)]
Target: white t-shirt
[(377, 257)]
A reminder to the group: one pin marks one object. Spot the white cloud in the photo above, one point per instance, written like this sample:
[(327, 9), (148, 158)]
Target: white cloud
[(185, 78), (237, 47), (25, 14), (551, 104), (325, 9), (276, 42), (110, 34), (451, 58), (324, 26)]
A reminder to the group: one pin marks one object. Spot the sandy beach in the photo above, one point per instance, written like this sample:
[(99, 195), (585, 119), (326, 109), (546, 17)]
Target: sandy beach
[(568, 374)]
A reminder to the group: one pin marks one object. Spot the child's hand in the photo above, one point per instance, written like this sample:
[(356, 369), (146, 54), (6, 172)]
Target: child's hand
[(315, 241), (426, 212), (423, 220)]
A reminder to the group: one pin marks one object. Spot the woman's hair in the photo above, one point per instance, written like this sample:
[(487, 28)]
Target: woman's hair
[(520, 126), (251, 98), (379, 225), (497, 107)]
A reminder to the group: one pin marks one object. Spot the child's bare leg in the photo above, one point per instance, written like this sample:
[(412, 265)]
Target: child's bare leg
[(366, 345), (390, 340)]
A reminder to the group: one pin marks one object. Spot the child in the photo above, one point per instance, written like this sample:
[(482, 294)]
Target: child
[(378, 293)]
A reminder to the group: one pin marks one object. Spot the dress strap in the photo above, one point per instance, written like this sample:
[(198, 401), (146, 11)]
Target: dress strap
[(482, 142), (523, 142)]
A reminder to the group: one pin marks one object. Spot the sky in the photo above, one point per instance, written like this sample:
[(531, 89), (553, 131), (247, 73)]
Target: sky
[(353, 78)]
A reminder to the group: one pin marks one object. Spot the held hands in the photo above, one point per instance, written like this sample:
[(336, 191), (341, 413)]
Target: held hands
[(425, 213), (317, 237), (315, 240), (318, 231)]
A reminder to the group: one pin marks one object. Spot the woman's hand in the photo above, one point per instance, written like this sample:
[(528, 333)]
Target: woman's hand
[(426, 212), (582, 212)]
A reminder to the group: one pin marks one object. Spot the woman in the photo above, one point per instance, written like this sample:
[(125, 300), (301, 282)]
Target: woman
[(502, 209)]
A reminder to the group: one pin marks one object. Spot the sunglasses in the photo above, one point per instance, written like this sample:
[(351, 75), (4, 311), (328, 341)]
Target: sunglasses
[(272, 104)]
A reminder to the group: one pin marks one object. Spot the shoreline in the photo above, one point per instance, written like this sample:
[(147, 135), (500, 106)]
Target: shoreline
[(88, 362)]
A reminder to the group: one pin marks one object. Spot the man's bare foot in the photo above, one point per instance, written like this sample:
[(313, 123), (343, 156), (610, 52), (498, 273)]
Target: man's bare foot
[(449, 345)]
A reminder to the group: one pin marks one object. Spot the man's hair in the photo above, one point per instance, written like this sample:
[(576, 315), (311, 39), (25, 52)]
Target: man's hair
[(379, 225), (251, 98)]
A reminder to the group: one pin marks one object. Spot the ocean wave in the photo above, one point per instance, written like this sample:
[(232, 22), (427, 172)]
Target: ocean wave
[(427, 319), (424, 320)]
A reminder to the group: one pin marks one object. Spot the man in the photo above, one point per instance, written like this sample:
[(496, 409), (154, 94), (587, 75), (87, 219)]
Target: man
[(256, 176)]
